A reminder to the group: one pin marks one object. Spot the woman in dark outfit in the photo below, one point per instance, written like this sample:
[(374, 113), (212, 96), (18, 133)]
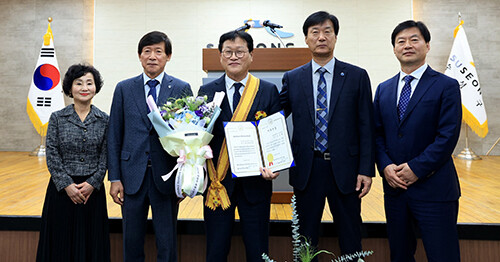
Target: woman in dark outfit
[(74, 216)]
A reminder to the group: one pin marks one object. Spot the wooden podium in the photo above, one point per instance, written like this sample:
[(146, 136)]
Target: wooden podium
[(268, 64), (264, 59)]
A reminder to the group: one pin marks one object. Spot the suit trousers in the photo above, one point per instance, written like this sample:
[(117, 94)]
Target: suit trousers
[(135, 211), (437, 222), (254, 220), (345, 208)]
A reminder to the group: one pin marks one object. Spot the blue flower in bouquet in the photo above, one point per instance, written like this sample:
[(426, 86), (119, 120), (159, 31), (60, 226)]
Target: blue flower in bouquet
[(205, 109), (188, 109)]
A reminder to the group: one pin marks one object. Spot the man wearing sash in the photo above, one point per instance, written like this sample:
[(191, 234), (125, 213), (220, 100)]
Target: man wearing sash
[(333, 139), (245, 96)]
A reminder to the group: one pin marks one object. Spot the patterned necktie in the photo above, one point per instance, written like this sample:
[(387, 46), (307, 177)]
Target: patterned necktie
[(321, 137), (404, 98), (236, 95), (152, 87)]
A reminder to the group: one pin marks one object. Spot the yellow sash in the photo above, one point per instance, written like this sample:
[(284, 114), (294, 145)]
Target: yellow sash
[(217, 194)]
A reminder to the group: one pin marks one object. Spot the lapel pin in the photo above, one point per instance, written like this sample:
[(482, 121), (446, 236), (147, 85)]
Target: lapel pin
[(342, 74), (169, 86)]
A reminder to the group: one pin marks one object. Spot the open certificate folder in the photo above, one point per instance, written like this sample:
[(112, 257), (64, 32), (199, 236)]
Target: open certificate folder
[(263, 143)]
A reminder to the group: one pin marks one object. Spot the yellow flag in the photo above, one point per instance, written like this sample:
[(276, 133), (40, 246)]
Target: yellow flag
[(461, 67)]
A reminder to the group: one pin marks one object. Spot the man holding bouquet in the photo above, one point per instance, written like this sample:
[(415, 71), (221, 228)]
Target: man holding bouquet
[(246, 96), (136, 159)]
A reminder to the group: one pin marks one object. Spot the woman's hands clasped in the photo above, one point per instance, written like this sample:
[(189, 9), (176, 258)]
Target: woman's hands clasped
[(80, 193)]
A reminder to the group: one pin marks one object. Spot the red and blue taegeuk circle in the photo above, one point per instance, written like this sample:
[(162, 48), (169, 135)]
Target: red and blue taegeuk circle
[(46, 77)]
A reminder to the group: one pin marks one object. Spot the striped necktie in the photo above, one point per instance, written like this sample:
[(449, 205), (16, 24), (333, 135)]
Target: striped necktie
[(321, 136)]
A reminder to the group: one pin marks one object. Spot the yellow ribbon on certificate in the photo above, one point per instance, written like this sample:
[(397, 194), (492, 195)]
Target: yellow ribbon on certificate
[(217, 194)]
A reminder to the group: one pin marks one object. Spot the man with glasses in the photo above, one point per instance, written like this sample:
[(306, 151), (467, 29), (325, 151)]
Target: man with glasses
[(333, 141), (245, 96)]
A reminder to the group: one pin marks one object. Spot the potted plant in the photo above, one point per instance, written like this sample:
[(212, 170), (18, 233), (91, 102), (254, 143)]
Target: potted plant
[(303, 251)]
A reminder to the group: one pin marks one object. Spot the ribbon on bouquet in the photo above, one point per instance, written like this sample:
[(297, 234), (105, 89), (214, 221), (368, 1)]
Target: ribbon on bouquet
[(181, 160), (189, 163)]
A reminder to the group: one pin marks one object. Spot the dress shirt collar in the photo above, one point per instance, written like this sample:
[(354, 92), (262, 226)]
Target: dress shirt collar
[(158, 77), (329, 66), (230, 82), (417, 74)]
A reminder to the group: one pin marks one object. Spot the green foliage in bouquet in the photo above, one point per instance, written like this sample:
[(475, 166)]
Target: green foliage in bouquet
[(303, 251)]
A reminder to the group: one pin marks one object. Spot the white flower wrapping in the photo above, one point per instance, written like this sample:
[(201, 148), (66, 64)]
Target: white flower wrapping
[(188, 142)]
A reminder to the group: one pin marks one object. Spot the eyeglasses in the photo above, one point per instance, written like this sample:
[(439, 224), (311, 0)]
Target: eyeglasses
[(238, 53)]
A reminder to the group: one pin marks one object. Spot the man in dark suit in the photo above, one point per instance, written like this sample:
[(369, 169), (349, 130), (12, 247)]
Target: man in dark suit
[(252, 195), (417, 118), (333, 141), (136, 159)]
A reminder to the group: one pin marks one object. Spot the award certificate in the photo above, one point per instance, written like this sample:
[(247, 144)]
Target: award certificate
[(263, 143), (274, 141)]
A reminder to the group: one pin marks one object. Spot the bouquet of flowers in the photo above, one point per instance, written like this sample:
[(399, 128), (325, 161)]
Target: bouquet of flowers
[(184, 126)]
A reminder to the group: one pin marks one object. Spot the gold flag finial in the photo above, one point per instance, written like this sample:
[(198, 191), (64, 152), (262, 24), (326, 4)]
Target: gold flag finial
[(48, 35), (460, 23)]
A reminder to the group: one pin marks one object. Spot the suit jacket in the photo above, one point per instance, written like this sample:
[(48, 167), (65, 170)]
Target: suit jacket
[(424, 138), (256, 188), (350, 124), (76, 148), (132, 140)]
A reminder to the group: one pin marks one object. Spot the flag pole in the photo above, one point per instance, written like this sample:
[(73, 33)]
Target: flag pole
[(493, 146), (467, 152), (40, 150)]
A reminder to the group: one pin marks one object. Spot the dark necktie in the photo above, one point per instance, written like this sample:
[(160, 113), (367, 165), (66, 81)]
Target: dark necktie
[(404, 98), (152, 87), (236, 95), (321, 136)]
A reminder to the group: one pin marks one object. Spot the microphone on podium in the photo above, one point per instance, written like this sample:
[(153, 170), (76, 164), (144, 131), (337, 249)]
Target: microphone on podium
[(243, 28), (271, 25), (257, 24)]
